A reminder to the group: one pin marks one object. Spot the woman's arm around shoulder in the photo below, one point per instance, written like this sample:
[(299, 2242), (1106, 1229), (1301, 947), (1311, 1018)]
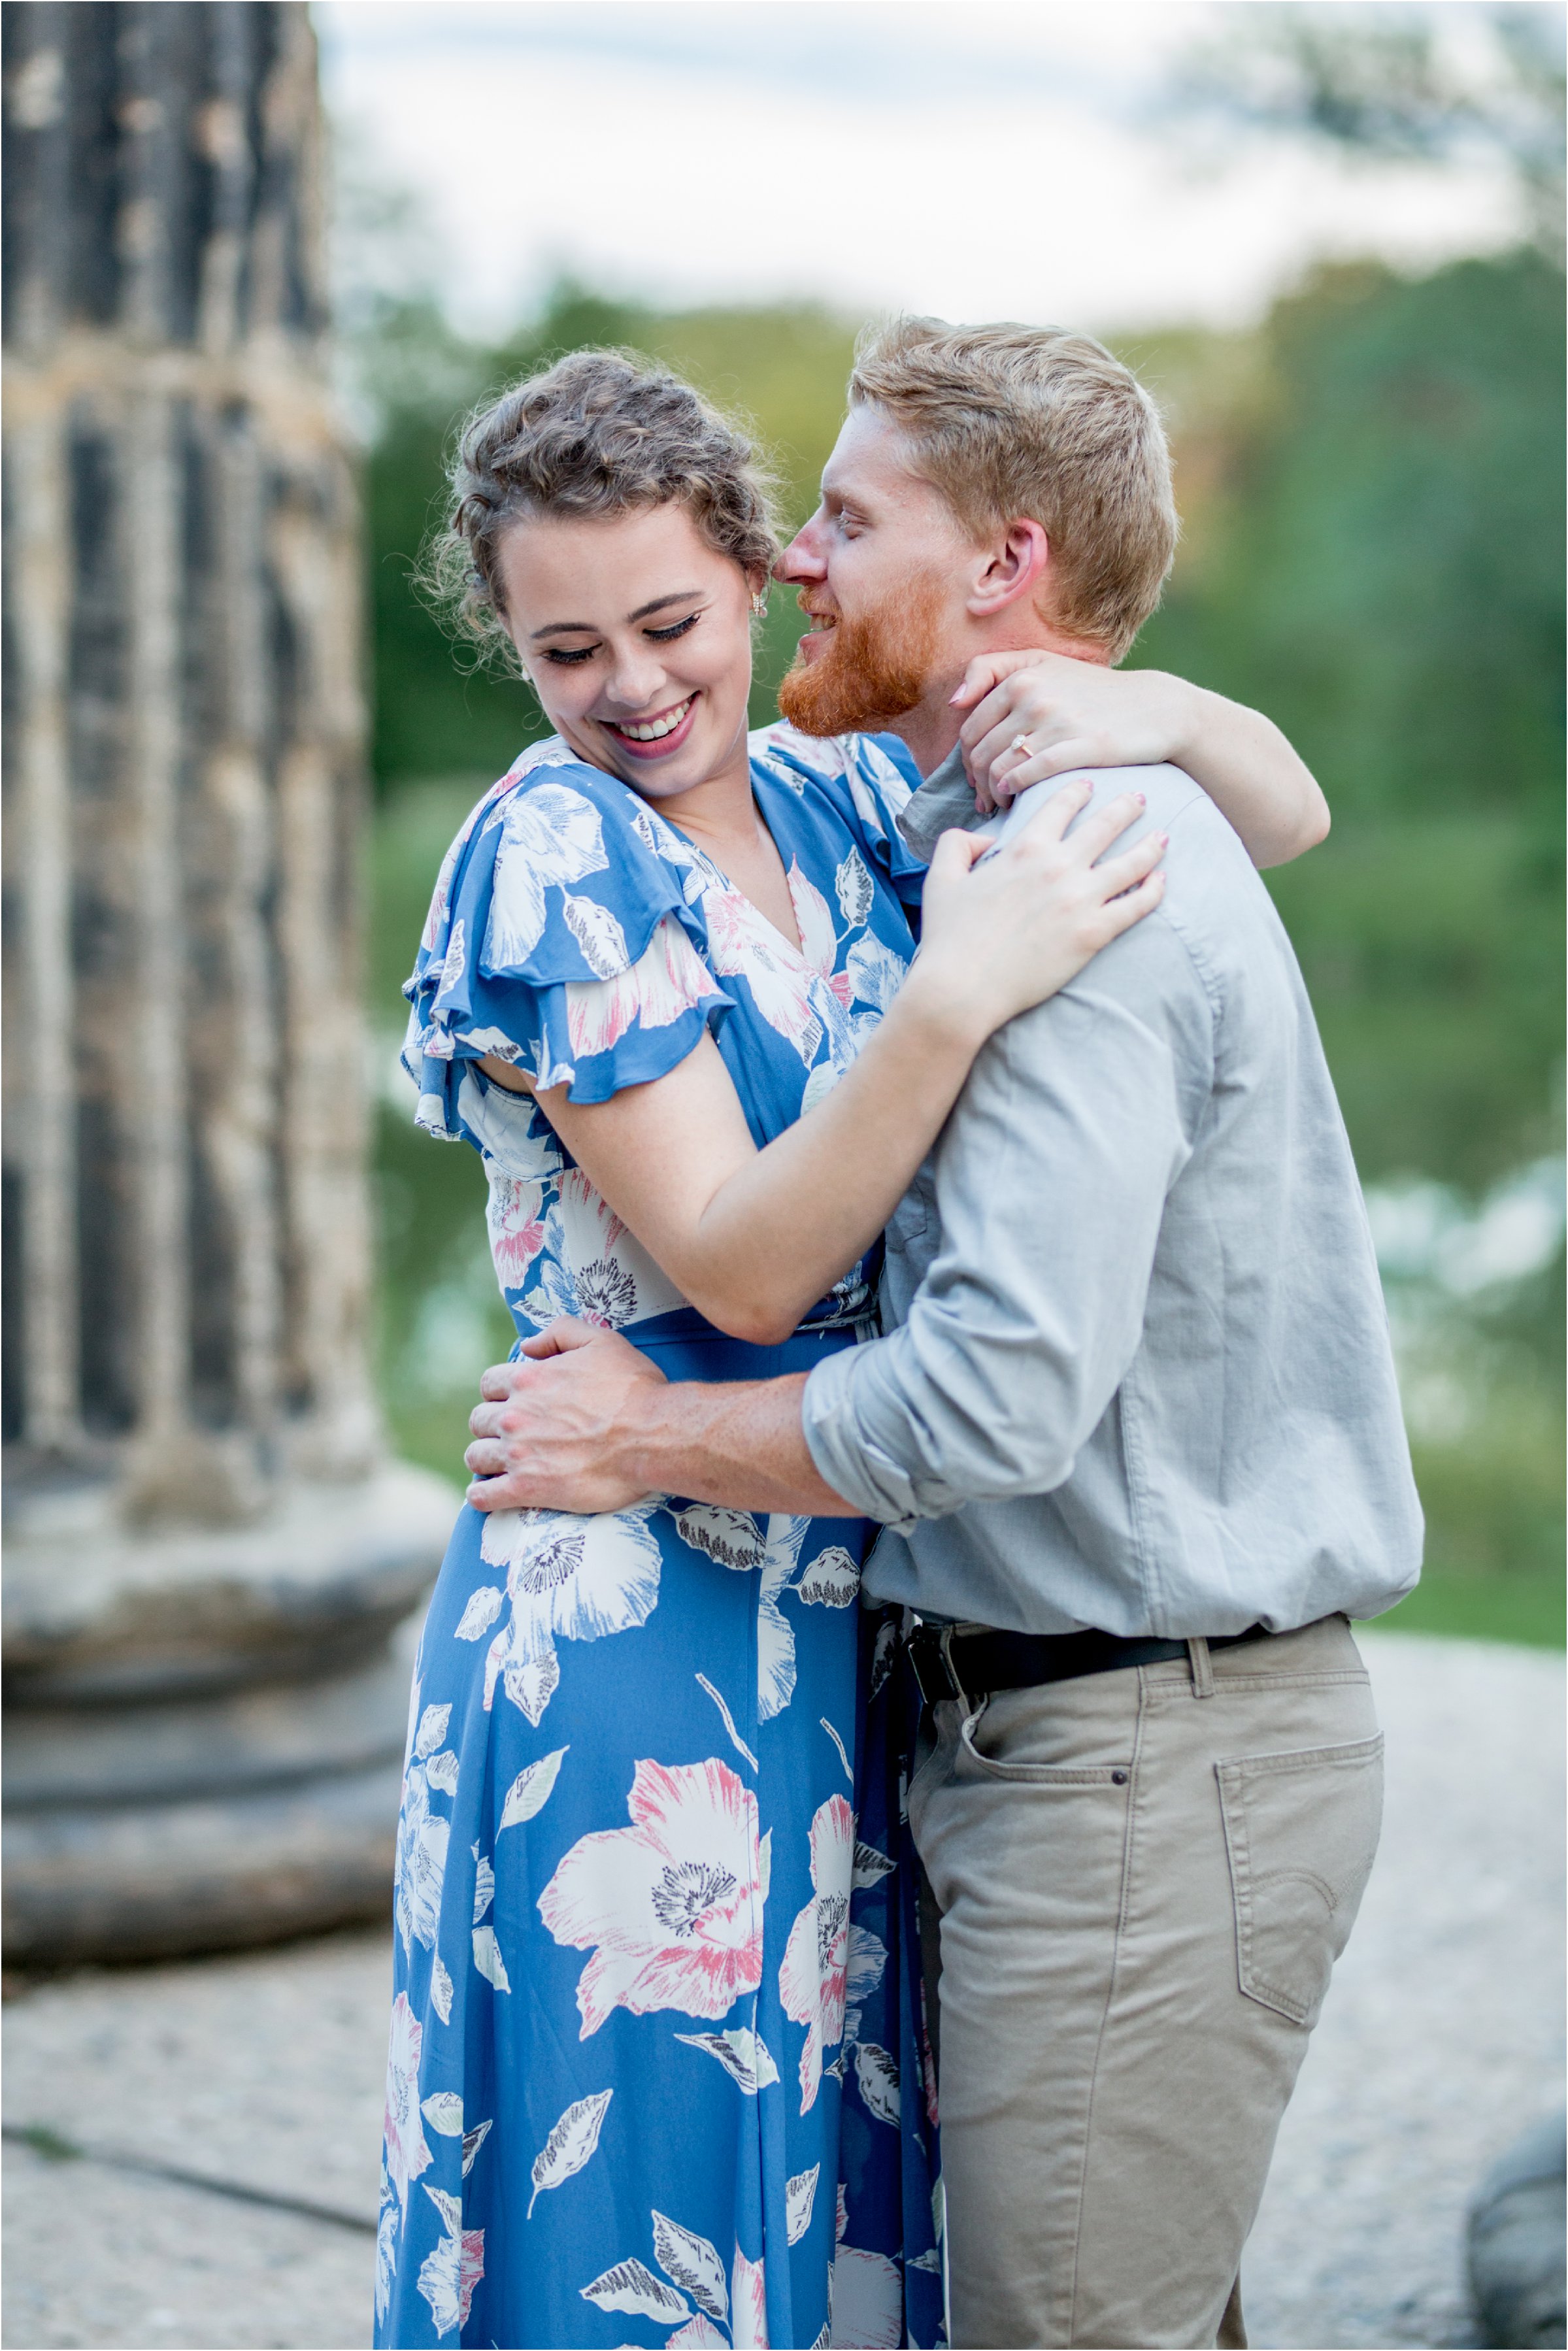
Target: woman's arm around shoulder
[(1082, 714)]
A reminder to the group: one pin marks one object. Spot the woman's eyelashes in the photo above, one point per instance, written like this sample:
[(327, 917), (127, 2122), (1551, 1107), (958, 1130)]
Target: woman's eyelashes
[(567, 656)]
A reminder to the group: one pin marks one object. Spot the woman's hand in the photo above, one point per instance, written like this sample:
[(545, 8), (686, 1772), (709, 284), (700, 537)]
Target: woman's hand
[(1037, 715), (1001, 932), (1074, 713)]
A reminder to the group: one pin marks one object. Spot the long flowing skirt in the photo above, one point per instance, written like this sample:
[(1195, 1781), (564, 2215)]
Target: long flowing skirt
[(658, 2069)]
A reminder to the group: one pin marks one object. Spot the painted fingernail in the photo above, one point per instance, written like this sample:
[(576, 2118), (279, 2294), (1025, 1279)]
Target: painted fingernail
[(1139, 800)]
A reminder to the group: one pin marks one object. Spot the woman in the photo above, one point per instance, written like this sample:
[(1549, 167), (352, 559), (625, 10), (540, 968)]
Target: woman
[(645, 2061)]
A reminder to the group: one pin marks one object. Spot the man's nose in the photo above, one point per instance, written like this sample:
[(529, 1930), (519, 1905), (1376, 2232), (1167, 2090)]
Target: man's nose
[(802, 559)]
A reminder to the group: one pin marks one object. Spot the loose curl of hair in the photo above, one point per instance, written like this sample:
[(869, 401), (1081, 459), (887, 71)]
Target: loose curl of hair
[(600, 433)]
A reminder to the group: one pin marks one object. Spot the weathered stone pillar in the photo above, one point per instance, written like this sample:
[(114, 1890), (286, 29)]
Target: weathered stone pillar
[(207, 1552)]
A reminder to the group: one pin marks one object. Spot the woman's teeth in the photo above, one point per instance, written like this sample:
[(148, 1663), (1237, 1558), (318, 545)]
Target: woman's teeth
[(651, 730)]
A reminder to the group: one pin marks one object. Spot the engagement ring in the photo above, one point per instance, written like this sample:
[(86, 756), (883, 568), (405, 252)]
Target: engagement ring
[(1019, 743)]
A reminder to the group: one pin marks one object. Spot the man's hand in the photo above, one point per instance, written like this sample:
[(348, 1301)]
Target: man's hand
[(551, 1432)]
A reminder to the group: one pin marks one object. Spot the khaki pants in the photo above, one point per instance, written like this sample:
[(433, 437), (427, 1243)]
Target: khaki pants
[(1145, 1877)]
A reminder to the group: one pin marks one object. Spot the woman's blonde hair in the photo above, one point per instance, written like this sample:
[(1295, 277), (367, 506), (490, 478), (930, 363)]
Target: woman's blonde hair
[(600, 433)]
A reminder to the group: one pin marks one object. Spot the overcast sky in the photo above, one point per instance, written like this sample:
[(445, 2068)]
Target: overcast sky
[(969, 160)]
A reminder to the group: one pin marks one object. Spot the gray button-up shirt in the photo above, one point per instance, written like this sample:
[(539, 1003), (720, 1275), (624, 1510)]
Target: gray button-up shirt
[(1137, 1373)]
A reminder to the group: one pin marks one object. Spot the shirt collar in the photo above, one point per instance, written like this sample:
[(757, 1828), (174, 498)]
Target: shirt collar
[(945, 799)]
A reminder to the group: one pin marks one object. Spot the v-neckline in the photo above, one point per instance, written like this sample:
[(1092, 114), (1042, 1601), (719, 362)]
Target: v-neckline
[(797, 947)]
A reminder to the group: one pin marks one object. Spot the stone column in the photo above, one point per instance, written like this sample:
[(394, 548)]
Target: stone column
[(207, 1549)]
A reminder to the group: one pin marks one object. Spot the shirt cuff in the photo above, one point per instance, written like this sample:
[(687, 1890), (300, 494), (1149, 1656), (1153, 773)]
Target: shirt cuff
[(846, 1458)]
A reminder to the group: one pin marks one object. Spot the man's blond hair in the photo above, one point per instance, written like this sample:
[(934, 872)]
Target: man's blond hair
[(1011, 421)]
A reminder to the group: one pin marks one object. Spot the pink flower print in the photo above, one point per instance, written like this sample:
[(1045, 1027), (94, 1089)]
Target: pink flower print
[(670, 1908), (666, 981), (406, 2153), (747, 2304), (812, 1974), (516, 1218)]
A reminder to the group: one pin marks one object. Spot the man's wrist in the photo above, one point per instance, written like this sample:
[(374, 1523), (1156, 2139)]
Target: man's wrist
[(649, 1437)]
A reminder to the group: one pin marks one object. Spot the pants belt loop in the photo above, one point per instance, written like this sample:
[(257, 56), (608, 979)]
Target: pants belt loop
[(1202, 1667)]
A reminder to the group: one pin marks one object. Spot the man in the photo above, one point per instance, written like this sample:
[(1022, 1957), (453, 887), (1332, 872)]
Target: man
[(1132, 1431)]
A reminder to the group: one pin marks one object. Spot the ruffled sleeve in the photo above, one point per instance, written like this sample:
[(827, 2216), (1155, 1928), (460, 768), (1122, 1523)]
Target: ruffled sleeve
[(562, 940), (870, 777)]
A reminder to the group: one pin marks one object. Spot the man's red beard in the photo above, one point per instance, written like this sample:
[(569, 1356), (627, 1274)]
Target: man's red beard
[(871, 670)]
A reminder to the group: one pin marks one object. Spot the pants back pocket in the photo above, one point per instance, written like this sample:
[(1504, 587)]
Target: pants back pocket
[(1301, 1832)]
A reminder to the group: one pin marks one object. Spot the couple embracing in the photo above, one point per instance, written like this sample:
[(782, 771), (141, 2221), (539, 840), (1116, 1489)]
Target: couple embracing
[(905, 1122)]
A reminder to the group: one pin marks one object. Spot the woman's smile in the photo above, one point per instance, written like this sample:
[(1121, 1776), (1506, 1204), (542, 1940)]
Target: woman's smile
[(655, 738)]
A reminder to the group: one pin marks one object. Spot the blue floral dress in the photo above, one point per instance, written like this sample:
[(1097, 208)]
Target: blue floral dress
[(658, 2069)]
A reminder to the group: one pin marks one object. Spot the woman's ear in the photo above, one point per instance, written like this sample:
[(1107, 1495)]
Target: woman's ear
[(1014, 568)]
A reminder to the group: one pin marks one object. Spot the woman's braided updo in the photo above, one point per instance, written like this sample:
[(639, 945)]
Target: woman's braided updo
[(600, 433)]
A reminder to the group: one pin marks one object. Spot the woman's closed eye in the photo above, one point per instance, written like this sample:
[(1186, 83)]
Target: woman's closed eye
[(567, 656)]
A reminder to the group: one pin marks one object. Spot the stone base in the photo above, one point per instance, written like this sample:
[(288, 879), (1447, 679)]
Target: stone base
[(204, 1732), (158, 1881)]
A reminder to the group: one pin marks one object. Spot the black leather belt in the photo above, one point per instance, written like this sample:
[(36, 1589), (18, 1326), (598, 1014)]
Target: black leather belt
[(947, 1662)]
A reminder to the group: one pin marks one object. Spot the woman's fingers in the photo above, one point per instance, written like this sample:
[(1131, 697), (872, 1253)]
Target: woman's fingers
[(1135, 865), (1092, 837), (1122, 913), (986, 670), (1051, 821), (1009, 779)]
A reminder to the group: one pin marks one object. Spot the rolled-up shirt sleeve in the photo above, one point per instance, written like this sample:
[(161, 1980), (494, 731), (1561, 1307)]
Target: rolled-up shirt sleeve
[(1051, 1180)]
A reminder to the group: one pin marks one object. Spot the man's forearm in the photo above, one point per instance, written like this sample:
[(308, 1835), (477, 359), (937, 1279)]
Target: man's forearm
[(741, 1443)]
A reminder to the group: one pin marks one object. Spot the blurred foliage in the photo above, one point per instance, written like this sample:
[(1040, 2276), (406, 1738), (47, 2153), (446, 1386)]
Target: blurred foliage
[(1371, 485), (1445, 84)]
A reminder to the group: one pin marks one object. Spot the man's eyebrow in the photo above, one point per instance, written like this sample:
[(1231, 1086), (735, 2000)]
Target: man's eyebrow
[(557, 628)]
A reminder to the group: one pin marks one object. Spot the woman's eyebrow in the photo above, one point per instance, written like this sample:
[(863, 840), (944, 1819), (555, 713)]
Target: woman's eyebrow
[(586, 628), (681, 596)]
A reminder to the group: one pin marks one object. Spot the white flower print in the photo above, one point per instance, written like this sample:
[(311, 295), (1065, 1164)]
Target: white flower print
[(454, 963), (599, 934), (550, 834), (386, 2250), (732, 1538), (670, 1908), (422, 1835), (448, 2276), (818, 937), (811, 1977), (494, 1042), (568, 1578), (667, 979), (569, 2146), (405, 2149), (852, 888)]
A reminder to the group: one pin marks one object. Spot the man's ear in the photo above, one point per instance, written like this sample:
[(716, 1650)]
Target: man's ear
[(1012, 570)]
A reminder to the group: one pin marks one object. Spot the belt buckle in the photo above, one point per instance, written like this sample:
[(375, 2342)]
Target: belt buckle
[(930, 1653)]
